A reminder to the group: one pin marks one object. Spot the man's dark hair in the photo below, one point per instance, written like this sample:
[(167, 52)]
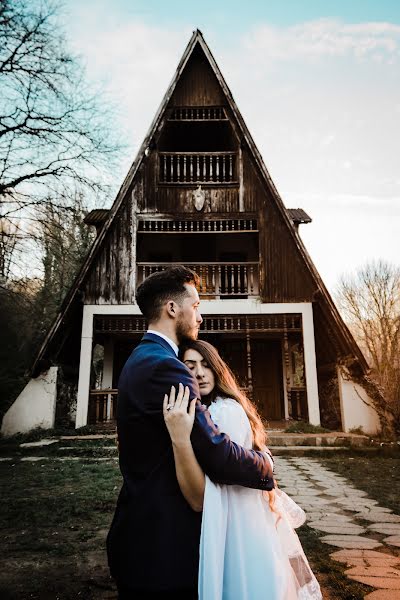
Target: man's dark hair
[(161, 286)]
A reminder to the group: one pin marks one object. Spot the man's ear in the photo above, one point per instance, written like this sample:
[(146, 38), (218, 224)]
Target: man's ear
[(171, 308)]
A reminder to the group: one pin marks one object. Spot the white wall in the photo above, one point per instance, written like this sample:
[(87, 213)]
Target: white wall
[(356, 406), (34, 407)]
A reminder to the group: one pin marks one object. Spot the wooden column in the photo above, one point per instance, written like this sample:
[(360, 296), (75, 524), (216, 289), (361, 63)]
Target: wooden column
[(286, 376), (248, 356), (241, 185)]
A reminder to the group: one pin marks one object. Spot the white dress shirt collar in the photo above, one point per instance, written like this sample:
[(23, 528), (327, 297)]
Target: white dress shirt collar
[(167, 339)]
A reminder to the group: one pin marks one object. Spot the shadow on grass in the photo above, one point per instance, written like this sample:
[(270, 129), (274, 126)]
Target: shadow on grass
[(54, 518)]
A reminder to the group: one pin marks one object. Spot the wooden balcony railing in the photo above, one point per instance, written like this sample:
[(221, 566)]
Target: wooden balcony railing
[(198, 113), (102, 406), (239, 279), (187, 168)]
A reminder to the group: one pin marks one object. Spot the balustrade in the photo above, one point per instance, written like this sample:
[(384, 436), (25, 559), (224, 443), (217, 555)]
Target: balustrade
[(216, 279), (197, 168), (297, 397), (198, 113), (102, 406)]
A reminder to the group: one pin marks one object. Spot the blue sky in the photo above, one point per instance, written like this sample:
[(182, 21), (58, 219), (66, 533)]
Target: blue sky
[(238, 15), (318, 83)]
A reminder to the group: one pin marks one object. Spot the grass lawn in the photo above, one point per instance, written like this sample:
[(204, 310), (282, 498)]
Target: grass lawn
[(375, 473), (54, 517)]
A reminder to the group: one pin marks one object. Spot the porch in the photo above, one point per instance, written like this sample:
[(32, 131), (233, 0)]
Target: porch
[(265, 352)]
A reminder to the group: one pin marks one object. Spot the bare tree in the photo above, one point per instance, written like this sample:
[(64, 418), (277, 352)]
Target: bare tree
[(370, 304), (53, 130), (9, 241), (29, 305), (63, 240)]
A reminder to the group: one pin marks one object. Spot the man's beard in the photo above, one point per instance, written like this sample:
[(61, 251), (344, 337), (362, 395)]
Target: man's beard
[(185, 332)]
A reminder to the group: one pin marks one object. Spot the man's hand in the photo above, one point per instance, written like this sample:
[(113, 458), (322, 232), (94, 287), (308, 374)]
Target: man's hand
[(178, 420)]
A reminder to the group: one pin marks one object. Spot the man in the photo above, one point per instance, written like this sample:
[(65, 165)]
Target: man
[(153, 543)]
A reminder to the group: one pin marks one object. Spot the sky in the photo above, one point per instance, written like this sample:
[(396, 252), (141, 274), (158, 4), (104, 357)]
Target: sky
[(317, 82)]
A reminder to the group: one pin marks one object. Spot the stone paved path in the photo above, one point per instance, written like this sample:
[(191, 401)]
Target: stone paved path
[(366, 534)]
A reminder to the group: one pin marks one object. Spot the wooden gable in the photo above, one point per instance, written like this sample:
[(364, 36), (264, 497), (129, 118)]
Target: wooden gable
[(221, 159)]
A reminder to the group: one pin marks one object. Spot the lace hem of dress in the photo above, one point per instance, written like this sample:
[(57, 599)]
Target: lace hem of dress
[(310, 592), (294, 512)]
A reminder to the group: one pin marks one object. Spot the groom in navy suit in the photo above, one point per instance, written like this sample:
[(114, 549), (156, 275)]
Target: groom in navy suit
[(153, 543)]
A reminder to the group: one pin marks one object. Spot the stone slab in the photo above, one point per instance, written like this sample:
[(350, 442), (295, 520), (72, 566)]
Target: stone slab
[(342, 555), (379, 517), (393, 540), (370, 571), (334, 519), (383, 595), (314, 501), (387, 528), (382, 578), (314, 514), (347, 528), (308, 491), (93, 436), (353, 504), (328, 478), (39, 444), (360, 502), (356, 496), (379, 509), (350, 541), (370, 562), (335, 492)]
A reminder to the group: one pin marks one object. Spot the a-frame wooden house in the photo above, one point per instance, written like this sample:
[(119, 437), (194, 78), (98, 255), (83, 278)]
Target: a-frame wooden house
[(199, 193)]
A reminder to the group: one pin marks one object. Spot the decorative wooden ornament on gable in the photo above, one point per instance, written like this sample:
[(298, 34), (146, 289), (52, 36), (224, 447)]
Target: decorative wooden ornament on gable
[(199, 197)]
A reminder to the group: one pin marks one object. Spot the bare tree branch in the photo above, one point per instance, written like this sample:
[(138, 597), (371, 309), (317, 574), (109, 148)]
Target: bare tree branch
[(53, 130), (370, 304)]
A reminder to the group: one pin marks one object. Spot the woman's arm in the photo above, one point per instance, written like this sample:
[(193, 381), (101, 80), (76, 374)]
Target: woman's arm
[(179, 422)]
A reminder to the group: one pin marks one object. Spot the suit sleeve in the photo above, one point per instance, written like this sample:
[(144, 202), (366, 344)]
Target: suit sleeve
[(219, 457)]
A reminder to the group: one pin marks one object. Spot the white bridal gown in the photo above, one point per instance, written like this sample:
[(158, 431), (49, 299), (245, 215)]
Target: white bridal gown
[(246, 553)]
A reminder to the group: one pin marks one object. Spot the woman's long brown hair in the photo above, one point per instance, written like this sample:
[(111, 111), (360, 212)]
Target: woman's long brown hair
[(227, 386)]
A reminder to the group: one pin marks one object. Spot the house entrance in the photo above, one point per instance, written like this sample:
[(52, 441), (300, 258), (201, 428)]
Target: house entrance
[(266, 359), (265, 353), (266, 372)]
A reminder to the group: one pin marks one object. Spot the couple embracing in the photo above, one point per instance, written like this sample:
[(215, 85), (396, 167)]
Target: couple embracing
[(198, 515)]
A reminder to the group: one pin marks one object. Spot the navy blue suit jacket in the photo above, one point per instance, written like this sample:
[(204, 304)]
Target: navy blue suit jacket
[(153, 543)]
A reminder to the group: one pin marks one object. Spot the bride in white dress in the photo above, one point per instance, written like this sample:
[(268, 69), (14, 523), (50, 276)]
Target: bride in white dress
[(248, 547)]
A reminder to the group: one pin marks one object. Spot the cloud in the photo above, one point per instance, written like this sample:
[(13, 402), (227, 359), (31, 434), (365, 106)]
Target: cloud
[(318, 97), (325, 38), (374, 205)]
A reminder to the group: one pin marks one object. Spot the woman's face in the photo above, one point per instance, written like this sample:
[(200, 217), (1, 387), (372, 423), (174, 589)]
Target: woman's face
[(201, 371)]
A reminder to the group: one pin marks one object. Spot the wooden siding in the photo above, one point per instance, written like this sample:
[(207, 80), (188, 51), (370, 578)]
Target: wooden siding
[(286, 272), (287, 278), (172, 200), (198, 85), (109, 278), (283, 274)]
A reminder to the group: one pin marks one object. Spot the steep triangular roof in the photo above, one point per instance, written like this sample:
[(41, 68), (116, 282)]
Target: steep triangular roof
[(197, 39)]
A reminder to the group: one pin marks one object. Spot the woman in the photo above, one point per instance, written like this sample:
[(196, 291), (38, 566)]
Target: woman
[(248, 548)]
